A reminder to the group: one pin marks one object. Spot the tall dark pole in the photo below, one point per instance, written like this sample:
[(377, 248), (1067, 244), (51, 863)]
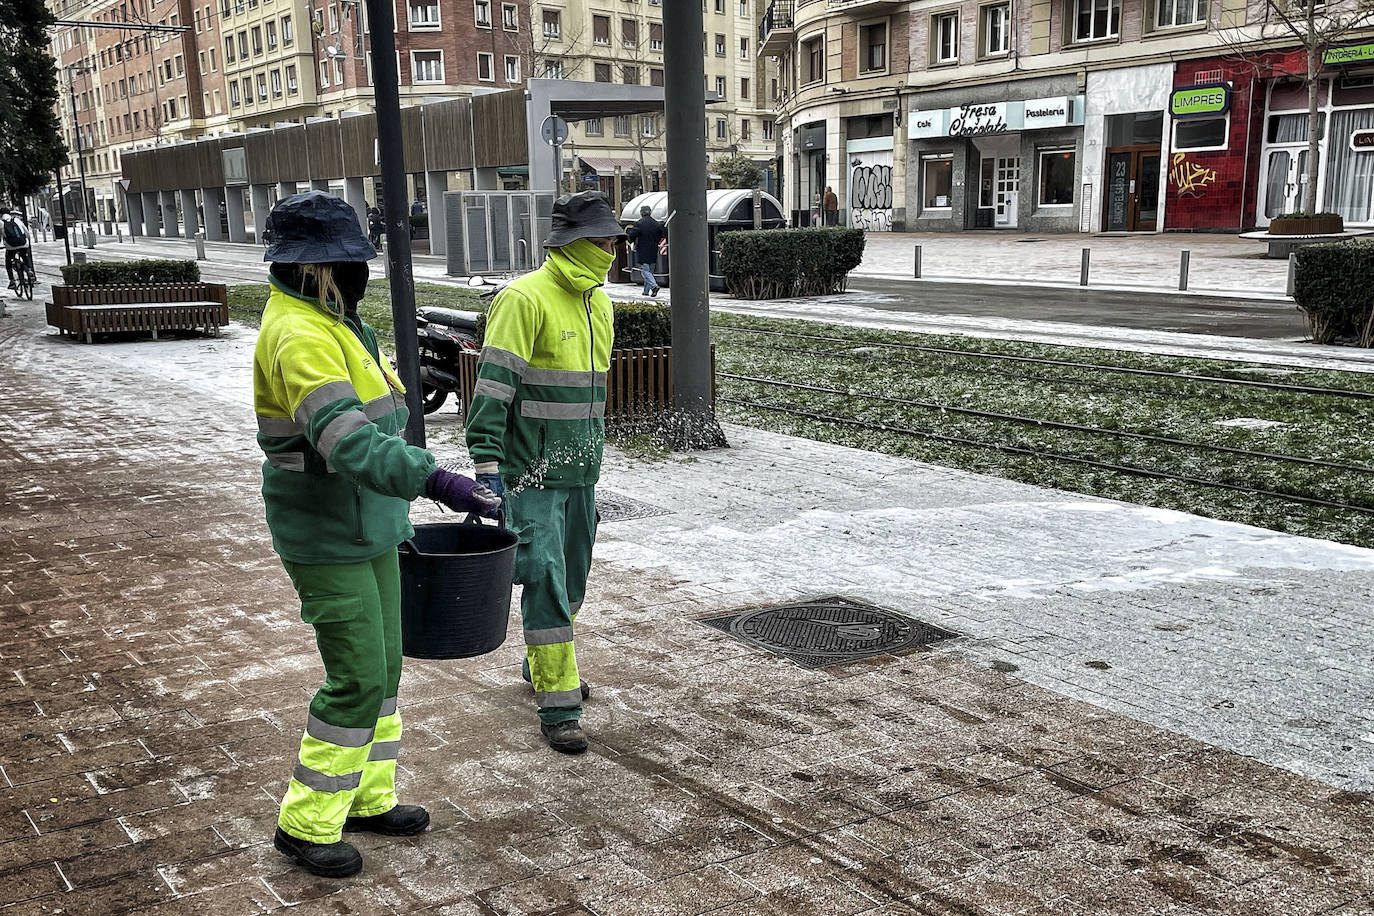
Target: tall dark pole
[(62, 208), (689, 243), (396, 210), (76, 125)]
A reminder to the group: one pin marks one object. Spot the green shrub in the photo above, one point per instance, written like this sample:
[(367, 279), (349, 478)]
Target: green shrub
[(782, 263), (637, 324), (131, 273), (1334, 287)]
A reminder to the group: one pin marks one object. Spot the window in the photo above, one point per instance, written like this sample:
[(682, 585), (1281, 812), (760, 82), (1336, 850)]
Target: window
[(994, 35), (333, 18), (768, 130), (630, 76), (873, 47), (180, 65), (744, 87), (601, 73), (512, 68), (944, 38), (553, 69), (601, 30), (722, 129), (813, 60), (243, 44), (426, 66), (1206, 133), (248, 88), (485, 66), (292, 86), (655, 76), (937, 177), (655, 36), (744, 8), (262, 87), (1094, 20), (257, 41), (720, 6), (720, 45), (622, 125), (720, 87), (510, 17), (287, 36), (744, 130), (553, 23), (594, 127), (629, 32), (1056, 178), (1169, 13), (276, 84), (744, 49), (271, 35), (424, 14), (233, 99), (648, 125), (482, 13)]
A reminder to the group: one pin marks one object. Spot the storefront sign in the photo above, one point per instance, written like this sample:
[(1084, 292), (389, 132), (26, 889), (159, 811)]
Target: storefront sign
[(1350, 54), (1200, 101), (924, 124), (1042, 113), (978, 120), (1362, 141)]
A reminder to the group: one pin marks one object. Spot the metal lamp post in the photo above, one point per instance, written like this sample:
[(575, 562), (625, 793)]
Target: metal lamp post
[(72, 70)]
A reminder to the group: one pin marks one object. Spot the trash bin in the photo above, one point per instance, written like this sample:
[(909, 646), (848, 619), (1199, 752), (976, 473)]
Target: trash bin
[(726, 208), (456, 582)]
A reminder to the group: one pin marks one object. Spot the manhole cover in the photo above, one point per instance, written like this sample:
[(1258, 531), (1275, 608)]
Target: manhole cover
[(828, 631), (616, 508)]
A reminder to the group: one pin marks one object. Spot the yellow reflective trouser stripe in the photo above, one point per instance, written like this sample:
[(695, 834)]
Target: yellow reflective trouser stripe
[(553, 671), (377, 792)]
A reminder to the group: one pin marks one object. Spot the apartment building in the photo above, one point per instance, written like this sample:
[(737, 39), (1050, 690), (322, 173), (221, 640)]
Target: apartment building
[(1059, 115)]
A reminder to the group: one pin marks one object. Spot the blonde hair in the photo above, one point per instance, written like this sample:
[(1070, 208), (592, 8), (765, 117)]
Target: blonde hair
[(325, 287)]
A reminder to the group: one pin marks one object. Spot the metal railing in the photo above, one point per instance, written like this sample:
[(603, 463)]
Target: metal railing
[(777, 16)]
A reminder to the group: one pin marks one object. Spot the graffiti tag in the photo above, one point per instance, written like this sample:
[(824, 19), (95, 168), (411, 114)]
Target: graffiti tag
[(870, 198), (1190, 178)]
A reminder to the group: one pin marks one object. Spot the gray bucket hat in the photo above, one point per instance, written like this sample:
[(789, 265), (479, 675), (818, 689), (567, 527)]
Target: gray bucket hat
[(315, 228), (584, 215)]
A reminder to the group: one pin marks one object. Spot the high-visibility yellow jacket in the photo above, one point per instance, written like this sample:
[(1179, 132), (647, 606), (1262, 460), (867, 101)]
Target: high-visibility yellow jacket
[(539, 407), (338, 478)]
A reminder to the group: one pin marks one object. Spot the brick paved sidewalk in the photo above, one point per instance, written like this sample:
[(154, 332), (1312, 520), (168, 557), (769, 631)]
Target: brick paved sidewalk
[(159, 679)]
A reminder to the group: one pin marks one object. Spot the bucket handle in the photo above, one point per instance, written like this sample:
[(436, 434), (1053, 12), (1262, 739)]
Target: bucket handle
[(470, 518)]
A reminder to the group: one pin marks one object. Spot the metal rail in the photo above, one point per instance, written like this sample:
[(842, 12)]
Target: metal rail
[(1052, 456), (1051, 424), (1099, 367)]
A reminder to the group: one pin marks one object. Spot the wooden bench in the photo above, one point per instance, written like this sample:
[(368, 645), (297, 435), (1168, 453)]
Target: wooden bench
[(90, 310)]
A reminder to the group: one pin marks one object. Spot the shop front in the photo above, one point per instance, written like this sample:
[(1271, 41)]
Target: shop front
[(1214, 120), (996, 162), (1124, 148)]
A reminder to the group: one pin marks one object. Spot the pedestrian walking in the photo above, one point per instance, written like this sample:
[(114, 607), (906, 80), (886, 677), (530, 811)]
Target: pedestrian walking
[(337, 483), (646, 233), (830, 207), (535, 431)]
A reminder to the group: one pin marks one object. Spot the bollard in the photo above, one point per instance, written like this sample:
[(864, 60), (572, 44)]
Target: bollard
[(1183, 257), (386, 260), (918, 262), (1083, 271), (90, 237), (200, 246), (1292, 272), (119, 233)]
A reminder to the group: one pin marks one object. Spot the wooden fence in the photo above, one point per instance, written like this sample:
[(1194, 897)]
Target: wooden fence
[(91, 310)]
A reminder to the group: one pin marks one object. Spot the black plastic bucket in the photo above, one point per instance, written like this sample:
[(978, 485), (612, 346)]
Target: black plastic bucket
[(455, 589)]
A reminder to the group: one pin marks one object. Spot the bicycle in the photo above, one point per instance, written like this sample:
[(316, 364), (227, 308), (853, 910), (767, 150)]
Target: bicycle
[(25, 278)]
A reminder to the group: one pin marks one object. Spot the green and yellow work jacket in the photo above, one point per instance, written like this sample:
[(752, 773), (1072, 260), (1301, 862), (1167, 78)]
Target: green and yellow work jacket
[(539, 407), (338, 478)]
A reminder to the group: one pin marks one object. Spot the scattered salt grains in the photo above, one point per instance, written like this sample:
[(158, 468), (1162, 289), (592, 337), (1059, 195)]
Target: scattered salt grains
[(1248, 423)]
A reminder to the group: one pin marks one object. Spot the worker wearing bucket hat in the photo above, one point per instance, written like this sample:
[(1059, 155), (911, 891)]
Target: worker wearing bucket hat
[(337, 483), (536, 429)]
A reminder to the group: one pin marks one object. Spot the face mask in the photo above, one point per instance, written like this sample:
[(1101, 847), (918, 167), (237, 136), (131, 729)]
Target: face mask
[(351, 277), (584, 261)]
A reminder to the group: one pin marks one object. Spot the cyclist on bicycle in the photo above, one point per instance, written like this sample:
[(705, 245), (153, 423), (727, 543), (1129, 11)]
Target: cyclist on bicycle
[(15, 234)]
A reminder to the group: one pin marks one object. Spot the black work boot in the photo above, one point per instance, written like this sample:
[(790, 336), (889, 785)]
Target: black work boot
[(565, 737), (402, 820), (328, 860), (525, 673)]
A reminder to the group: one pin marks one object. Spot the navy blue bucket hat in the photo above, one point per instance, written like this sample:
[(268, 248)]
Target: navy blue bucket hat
[(585, 215), (315, 228)]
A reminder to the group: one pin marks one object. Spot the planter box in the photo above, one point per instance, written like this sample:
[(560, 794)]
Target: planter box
[(1307, 225), (639, 383)]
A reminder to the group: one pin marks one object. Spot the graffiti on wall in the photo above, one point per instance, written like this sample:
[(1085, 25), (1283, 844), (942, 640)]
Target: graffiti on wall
[(1190, 178), (870, 196)]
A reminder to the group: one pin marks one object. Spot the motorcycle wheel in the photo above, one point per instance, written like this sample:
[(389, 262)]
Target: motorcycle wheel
[(432, 398)]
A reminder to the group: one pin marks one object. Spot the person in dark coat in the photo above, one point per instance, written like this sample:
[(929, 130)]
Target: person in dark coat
[(830, 207), (646, 234)]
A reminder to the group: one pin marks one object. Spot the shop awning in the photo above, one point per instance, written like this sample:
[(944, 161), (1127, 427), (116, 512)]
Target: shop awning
[(606, 165)]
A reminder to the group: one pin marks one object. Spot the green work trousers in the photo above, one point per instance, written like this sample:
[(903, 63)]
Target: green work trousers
[(557, 527), (348, 753)]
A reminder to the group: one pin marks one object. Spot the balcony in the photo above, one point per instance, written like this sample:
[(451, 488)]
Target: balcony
[(777, 29), (861, 6)]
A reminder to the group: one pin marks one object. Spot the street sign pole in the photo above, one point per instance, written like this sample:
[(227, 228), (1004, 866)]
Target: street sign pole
[(554, 131), (396, 212)]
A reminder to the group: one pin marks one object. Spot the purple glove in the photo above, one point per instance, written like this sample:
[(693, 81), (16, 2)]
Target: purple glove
[(460, 493)]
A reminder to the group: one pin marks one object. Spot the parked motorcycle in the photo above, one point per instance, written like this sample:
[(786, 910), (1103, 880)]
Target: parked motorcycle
[(442, 334)]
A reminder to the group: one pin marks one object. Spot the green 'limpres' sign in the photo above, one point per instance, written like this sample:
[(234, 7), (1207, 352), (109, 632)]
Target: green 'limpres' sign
[(1199, 101), (1350, 54)]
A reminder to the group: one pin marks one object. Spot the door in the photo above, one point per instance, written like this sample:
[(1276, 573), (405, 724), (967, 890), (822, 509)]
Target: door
[(1008, 182), (1285, 182), (1132, 203)]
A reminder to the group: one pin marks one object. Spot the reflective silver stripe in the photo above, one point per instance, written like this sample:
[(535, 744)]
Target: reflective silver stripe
[(324, 395), (379, 407), (337, 735), (494, 389), (314, 779), (278, 426), (503, 358), (574, 606), (568, 378), (350, 421), (384, 750), (556, 410), (551, 637), (388, 708), (287, 461), (562, 699)]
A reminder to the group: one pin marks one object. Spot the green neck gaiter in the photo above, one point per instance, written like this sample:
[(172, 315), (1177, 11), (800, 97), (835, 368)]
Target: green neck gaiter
[(583, 263)]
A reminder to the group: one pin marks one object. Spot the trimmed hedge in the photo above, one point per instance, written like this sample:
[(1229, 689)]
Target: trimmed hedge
[(131, 273), (783, 263), (1334, 287), (637, 324)]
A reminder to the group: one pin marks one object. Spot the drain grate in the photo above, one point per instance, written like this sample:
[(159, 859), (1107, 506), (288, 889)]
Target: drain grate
[(828, 631), (612, 507)]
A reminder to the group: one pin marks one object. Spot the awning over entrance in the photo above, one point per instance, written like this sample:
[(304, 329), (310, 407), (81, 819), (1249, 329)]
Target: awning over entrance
[(606, 165)]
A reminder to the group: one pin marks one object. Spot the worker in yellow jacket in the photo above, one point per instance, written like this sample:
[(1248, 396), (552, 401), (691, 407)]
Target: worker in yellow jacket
[(337, 483)]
